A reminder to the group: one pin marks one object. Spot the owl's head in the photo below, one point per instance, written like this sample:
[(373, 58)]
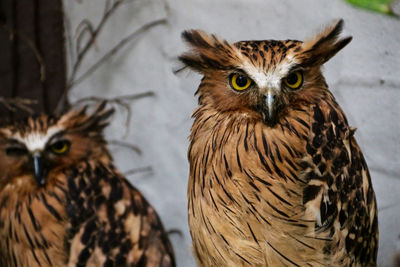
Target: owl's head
[(264, 79), (33, 150)]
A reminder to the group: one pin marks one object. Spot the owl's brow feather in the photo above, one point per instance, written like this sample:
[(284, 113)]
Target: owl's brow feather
[(296, 67), (238, 70), (55, 136), (13, 141)]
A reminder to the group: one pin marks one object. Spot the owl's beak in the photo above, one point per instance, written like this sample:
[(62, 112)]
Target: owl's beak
[(269, 108), (39, 169)]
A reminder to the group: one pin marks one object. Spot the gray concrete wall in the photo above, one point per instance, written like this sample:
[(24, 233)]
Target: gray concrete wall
[(364, 77)]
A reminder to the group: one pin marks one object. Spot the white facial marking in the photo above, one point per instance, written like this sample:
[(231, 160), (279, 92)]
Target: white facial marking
[(267, 80), (36, 141)]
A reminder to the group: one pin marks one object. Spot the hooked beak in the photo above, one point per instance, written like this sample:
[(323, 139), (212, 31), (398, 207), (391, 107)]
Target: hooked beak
[(269, 108), (39, 168)]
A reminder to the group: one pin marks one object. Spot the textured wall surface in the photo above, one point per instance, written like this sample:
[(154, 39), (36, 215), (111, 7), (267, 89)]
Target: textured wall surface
[(364, 77)]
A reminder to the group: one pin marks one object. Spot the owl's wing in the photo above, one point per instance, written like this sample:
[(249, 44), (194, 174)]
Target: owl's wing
[(339, 191), (112, 224)]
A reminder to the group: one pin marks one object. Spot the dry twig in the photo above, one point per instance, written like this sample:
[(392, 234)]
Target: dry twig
[(81, 53), (115, 49), (85, 28), (15, 104), (174, 231), (126, 145), (138, 170), (86, 36), (122, 101), (32, 46)]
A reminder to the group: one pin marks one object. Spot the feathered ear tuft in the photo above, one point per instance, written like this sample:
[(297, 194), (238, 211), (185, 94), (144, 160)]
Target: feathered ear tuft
[(79, 120), (208, 52), (324, 46)]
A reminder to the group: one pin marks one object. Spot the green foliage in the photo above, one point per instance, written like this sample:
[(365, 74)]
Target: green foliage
[(382, 6)]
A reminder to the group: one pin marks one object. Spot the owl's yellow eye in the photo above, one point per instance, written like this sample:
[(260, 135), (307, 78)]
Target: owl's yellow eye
[(294, 80), (60, 147), (239, 82)]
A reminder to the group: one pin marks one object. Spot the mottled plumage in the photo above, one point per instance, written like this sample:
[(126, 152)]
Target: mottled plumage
[(276, 176), (63, 203)]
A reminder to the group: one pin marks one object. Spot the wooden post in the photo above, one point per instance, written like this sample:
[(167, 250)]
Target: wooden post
[(32, 52)]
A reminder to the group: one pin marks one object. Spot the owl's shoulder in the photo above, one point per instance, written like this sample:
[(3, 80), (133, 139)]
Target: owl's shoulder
[(339, 194), (111, 221)]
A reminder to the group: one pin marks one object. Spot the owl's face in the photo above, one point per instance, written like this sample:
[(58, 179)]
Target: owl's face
[(262, 79), (33, 151)]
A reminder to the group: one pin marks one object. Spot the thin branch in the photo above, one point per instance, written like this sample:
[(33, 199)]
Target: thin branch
[(138, 170), (90, 42), (120, 101), (32, 45), (117, 99), (115, 49), (83, 27), (125, 145), (68, 36), (174, 231), (177, 71), (15, 104), (388, 206), (107, 5)]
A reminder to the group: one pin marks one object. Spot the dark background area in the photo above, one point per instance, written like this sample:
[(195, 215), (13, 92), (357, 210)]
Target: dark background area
[(32, 52)]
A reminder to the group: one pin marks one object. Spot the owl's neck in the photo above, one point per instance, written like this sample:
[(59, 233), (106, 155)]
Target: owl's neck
[(32, 227), (208, 120), (229, 141)]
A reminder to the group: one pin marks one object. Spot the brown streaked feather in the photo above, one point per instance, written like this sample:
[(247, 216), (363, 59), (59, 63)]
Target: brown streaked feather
[(114, 225), (265, 195), (339, 194), (33, 228), (247, 203), (86, 214)]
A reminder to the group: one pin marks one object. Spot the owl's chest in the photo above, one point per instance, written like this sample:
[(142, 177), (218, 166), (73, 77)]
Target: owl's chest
[(247, 165), (32, 229), (245, 195)]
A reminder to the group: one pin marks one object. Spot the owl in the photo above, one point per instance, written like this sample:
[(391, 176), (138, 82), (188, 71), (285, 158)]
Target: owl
[(63, 202), (276, 175)]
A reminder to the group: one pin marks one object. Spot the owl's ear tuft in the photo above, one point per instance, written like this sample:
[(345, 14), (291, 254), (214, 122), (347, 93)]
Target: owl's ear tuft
[(324, 46), (81, 120), (208, 52), (197, 39)]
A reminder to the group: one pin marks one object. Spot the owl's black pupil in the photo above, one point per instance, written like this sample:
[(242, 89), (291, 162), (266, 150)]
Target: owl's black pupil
[(241, 80), (292, 79), (59, 145)]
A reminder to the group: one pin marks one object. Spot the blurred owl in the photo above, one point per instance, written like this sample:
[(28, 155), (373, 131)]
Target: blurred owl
[(63, 203), (276, 176)]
